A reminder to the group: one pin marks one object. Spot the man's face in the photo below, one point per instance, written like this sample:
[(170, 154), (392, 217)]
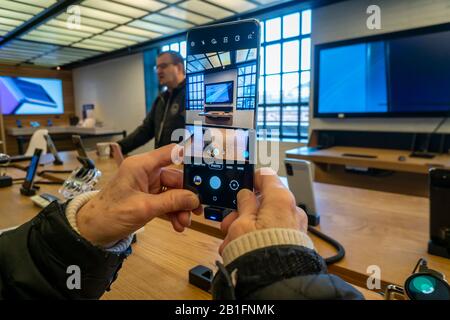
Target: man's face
[(166, 70)]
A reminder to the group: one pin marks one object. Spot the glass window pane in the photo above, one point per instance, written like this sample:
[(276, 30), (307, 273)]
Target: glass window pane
[(291, 56), (261, 62), (291, 25), (272, 117), (262, 32), (183, 49), (290, 87), (306, 22), (273, 29), (260, 116), (290, 120), (165, 48), (305, 86), (261, 90), (306, 54), (175, 47), (273, 89), (273, 59)]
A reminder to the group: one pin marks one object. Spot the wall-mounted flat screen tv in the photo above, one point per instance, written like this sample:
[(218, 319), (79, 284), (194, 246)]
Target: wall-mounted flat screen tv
[(219, 93), (21, 96), (403, 74)]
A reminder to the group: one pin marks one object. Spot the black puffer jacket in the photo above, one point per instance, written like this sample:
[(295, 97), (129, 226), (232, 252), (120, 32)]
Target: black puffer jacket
[(35, 260), (167, 114)]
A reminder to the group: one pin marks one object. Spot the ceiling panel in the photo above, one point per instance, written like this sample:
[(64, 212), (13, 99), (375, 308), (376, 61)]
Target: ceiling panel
[(186, 15), (148, 5), (109, 25), (20, 7), (113, 7), (168, 21), (238, 6), (206, 8)]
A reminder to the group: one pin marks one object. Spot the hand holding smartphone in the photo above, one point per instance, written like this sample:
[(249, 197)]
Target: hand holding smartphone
[(222, 70)]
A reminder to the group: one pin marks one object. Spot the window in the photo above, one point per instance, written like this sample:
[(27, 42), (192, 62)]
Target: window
[(176, 46), (196, 84), (284, 80), (246, 87)]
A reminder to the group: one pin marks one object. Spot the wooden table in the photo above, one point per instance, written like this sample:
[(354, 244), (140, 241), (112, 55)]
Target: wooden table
[(407, 175), (376, 228)]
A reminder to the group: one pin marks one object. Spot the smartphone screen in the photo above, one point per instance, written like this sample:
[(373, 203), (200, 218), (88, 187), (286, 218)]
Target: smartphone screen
[(222, 68), (31, 172)]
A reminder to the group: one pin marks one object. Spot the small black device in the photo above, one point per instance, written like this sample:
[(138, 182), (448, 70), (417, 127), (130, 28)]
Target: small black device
[(401, 158), (439, 243), (76, 139), (49, 122), (28, 188), (73, 120), (201, 277), (83, 157), (51, 146), (19, 123)]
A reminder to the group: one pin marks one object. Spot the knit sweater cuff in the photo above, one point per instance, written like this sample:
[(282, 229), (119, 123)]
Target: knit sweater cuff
[(71, 213), (264, 238)]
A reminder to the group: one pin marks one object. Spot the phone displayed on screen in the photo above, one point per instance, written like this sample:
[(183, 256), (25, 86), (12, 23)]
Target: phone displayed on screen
[(222, 68), (31, 171), (439, 206)]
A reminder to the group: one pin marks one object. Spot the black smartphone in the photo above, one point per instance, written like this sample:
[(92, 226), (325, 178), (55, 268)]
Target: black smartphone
[(51, 146), (222, 68), (31, 171), (440, 207), (76, 139)]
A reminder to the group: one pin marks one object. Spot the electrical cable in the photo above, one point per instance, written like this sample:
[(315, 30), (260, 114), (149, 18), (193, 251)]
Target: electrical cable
[(339, 247)]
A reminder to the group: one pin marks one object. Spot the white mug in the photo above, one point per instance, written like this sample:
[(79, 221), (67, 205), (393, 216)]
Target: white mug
[(103, 149)]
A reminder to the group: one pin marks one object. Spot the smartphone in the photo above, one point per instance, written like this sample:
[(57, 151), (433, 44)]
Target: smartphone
[(51, 146), (439, 207), (300, 177), (222, 68), (76, 139), (82, 154), (31, 171)]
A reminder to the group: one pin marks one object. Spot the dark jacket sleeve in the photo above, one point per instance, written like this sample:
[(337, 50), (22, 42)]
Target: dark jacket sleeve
[(142, 134), (38, 260), (280, 273)]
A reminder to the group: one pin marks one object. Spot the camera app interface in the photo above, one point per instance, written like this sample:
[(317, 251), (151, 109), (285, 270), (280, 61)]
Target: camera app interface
[(221, 72)]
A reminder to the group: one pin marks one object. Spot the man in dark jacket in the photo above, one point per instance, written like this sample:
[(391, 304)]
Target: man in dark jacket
[(168, 109), (266, 253)]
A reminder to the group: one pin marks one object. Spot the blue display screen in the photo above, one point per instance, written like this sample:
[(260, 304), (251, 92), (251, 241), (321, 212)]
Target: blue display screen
[(219, 93), (398, 76), (31, 96)]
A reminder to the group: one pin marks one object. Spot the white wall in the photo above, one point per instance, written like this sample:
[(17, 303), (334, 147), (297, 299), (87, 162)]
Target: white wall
[(116, 88), (347, 20)]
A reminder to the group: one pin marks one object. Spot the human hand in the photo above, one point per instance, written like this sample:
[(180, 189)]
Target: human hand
[(274, 207), (133, 197)]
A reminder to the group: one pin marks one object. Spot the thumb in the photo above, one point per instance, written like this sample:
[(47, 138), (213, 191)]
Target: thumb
[(174, 200), (246, 203)]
